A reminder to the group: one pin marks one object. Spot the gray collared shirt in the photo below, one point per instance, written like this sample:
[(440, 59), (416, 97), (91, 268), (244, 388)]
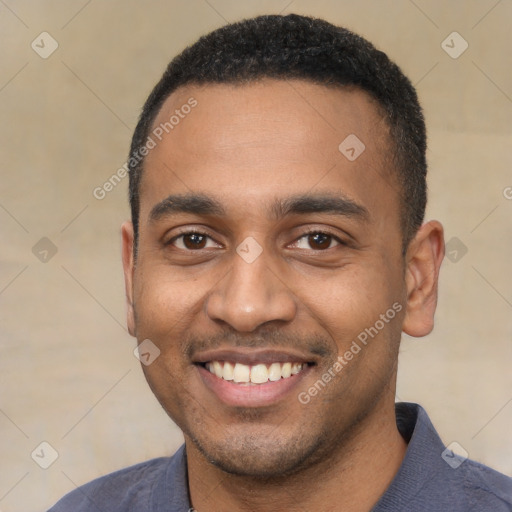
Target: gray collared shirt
[(430, 479)]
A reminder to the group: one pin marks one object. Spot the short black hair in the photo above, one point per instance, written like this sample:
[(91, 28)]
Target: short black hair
[(300, 47)]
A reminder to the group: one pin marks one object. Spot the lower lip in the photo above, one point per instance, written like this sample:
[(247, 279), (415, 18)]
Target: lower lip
[(251, 395)]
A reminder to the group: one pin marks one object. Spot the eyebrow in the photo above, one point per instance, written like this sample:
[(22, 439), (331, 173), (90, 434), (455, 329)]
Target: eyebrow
[(320, 203), (198, 204), (201, 204)]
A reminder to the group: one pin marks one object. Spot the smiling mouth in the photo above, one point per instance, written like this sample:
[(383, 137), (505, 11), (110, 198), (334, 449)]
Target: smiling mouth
[(254, 374)]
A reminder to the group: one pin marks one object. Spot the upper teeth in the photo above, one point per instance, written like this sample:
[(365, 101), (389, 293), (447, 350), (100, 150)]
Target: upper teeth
[(257, 374)]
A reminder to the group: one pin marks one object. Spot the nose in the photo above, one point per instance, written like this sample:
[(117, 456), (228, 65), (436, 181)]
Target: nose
[(251, 295)]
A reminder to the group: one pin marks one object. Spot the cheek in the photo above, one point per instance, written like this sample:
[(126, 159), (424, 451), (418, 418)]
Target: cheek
[(163, 302), (351, 299)]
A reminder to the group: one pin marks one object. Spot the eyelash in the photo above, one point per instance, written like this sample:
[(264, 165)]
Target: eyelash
[(307, 233)]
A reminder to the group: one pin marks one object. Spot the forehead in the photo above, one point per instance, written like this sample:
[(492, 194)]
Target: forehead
[(248, 143)]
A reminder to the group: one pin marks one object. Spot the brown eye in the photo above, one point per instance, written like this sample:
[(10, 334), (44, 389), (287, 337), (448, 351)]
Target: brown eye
[(319, 241), (193, 241)]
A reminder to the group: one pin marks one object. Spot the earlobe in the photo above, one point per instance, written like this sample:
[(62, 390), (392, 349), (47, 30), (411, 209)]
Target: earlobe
[(423, 262), (128, 268)]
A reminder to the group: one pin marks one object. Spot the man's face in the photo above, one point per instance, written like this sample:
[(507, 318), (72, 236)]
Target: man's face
[(262, 244)]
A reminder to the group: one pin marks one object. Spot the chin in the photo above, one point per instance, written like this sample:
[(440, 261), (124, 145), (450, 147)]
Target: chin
[(261, 454)]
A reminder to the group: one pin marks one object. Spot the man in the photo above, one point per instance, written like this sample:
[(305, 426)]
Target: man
[(276, 253)]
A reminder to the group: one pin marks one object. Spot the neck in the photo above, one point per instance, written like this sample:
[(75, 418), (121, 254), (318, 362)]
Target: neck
[(352, 479)]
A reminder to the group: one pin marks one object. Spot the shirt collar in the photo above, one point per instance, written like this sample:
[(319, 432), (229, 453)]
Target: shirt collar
[(174, 485), (422, 465)]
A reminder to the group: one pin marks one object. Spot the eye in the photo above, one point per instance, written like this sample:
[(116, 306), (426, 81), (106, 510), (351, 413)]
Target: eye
[(193, 241), (317, 241)]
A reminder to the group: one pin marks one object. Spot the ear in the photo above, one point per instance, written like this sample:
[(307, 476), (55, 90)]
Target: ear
[(129, 268), (423, 261)]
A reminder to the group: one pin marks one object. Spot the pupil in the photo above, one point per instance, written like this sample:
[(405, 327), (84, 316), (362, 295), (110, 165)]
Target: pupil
[(320, 240), (194, 241)]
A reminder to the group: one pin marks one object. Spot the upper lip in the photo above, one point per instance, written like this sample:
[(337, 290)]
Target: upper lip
[(251, 356)]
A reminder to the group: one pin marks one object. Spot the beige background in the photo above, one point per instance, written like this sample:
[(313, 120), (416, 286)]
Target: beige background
[(67, 372)]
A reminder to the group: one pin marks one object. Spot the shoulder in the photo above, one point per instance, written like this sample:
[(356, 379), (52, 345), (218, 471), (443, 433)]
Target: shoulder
[(127, 489), (485, 488), (432, 477)]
